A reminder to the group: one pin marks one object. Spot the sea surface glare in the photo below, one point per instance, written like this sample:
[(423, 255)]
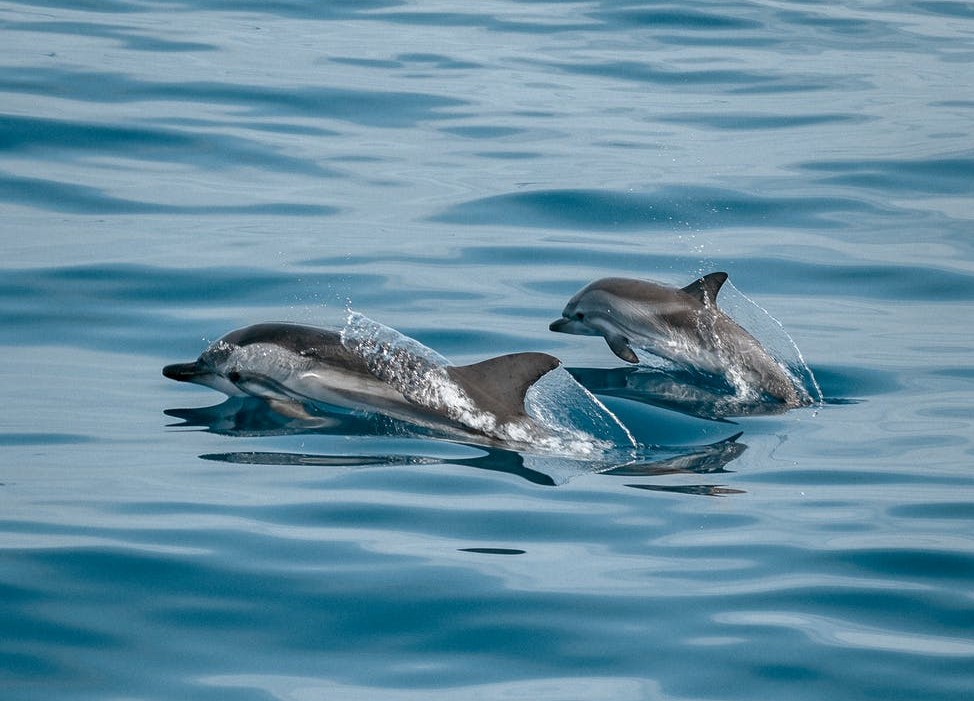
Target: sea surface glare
[(170, 171)]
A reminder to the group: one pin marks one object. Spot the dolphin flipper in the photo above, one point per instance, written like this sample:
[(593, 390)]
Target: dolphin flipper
[(706, 288), (277, 396), (498, 385), (292, 409), (620, 346), (260, 385)]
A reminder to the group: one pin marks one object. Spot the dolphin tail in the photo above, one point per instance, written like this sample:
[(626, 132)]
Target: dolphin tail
[(706, 288), (498, 385)]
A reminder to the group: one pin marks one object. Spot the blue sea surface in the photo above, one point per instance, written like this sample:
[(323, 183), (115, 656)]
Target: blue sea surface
[(170, 171)]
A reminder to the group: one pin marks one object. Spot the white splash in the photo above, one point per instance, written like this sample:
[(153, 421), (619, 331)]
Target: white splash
[(772, 335), (564, 418)]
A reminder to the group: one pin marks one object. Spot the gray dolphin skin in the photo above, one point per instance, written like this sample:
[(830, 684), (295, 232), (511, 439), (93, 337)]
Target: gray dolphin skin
[(684, 326), (291, 365)]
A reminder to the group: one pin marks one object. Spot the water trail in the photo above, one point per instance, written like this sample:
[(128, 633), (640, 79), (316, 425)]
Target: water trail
[(771, 333), (565, 419), (559, 402)]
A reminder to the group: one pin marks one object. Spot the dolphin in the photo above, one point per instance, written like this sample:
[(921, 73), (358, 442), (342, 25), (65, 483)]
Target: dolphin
[(292, 366), (684, 326)]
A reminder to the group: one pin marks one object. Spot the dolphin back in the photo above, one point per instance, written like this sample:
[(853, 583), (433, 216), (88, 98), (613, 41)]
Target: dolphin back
[(498, 385)]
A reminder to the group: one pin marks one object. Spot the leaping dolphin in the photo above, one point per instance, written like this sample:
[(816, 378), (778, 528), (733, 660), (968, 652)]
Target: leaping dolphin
[(292, 366), (684, 326)]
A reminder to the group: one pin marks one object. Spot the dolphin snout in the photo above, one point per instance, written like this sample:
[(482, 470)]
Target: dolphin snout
[(183, 372), (560, 325), (573, 326)]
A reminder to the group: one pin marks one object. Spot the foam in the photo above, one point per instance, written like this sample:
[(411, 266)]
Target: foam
[(772, 335), (564, 418)]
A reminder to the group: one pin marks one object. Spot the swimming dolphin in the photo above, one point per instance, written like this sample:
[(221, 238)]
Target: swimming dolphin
[(682, 325), (291, 366)]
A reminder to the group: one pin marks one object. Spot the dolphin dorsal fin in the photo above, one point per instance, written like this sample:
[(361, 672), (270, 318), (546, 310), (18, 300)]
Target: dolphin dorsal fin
[(498, 385), (707, 287)]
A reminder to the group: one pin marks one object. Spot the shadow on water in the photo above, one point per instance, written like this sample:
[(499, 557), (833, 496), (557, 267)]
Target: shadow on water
[(709, 397), (687, 392), (251, 417)]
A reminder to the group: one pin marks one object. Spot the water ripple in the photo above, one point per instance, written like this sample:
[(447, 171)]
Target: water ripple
[(946, 175), (366, 107), (174, 170), (693, 207), (748, 121), (128, 37), (73, 198), (23, 136)]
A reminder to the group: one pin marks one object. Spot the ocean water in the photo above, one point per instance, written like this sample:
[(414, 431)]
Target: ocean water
[(170, 171)]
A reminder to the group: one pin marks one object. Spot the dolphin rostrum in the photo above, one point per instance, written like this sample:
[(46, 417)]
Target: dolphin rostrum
[(293, 366), (684, 326)]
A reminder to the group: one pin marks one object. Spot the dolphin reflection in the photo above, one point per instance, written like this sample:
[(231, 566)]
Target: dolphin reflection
[(251, 417), (677, 389)]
